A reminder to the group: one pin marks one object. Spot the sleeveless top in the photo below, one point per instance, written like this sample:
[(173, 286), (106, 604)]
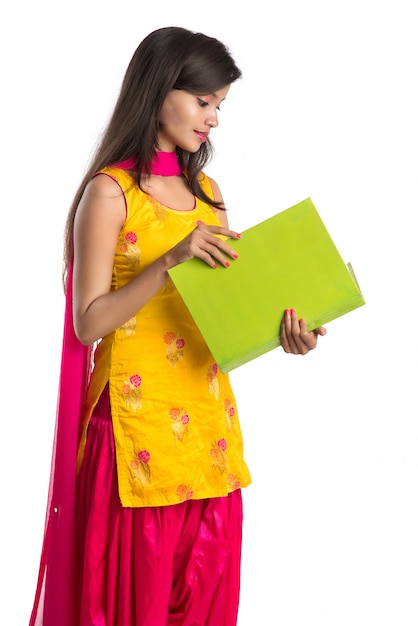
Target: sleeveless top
[(174, 415)]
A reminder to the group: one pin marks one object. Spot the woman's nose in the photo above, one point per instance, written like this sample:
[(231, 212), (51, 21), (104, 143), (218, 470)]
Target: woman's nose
[(212, 120)]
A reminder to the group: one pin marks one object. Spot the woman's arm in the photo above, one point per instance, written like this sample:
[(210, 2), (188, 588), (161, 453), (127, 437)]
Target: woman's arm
[(99, 218)]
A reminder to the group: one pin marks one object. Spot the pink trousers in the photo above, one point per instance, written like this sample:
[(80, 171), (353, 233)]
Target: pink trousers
[(175, 565)]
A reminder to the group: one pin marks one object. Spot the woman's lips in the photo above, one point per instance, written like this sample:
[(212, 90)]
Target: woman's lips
[(202, 136)]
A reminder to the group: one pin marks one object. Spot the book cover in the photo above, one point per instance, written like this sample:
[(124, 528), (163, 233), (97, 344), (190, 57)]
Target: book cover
[(287, 261)]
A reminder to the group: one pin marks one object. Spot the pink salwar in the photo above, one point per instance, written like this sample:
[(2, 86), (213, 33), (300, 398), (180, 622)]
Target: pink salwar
[(175, 565)]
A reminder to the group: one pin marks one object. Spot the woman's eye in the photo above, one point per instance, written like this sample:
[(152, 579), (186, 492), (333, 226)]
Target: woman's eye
[(202, 103)]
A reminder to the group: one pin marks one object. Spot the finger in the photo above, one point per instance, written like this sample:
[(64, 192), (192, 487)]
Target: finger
[(223, 246), (208, 253), (220, 233), (310, 338), (300, 341), (284, 342), (220, 253), (213, 245), (288, 332), (308, 341), (300, 345), (221, 230)]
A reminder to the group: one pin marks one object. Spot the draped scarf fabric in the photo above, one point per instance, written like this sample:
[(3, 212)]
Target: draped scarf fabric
[(56, 586), (55, 591)]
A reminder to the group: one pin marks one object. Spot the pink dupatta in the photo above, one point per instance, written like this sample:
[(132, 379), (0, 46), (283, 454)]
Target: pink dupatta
[(55, 596)]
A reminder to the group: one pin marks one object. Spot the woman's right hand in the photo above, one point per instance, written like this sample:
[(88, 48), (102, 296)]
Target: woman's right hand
[(204, 242)]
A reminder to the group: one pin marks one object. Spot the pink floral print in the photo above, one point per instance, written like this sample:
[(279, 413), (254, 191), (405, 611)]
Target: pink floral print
[(132, 393), (213, 381), (140, 467), (174, 349), (130, 250), (218, 455), (184, 493), (233, 482), (229, 413), (179, 422)]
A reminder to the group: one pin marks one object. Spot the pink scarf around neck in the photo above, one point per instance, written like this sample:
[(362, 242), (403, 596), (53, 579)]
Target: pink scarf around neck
[(163, 164)]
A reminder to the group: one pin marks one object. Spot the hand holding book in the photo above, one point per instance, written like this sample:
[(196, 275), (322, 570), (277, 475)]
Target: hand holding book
[(211, 244), (295, 338), (289, 260)]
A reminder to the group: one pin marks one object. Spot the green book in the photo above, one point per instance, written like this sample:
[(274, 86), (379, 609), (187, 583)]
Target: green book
[(287, 261)]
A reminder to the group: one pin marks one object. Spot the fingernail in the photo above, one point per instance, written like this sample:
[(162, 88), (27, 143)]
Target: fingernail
[(227, 264), (292, 311), (215, 265), (235, 255), (239, 235)]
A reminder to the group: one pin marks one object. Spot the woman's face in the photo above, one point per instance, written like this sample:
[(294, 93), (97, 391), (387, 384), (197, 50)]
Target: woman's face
[(186, 119)]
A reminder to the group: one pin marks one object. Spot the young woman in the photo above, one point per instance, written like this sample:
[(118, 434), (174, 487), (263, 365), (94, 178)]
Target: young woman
[(144, 528)]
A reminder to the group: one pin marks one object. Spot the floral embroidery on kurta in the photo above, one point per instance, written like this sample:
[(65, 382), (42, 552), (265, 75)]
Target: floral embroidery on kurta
[(233, 482), (159, 210), (174, 350), (132, 393), (212, 379), (179, 422), (140, 468), (218, 454), (130, 250), (229, 413), (184, 493), (129, 327)]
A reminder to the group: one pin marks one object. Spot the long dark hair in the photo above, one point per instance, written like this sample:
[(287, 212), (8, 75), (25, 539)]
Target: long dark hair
[(168, 58)]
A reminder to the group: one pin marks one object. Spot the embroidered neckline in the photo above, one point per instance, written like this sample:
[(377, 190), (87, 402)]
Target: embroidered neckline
[(163, 164)]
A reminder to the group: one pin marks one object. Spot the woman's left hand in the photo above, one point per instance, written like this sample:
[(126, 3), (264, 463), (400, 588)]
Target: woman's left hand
[(295, 338)]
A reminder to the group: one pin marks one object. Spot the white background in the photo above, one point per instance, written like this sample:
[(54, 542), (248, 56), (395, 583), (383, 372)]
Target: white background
[(327, 108)]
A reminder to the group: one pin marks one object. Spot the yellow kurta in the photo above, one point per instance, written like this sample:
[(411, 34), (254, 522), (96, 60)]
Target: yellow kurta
[(174, 415)]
